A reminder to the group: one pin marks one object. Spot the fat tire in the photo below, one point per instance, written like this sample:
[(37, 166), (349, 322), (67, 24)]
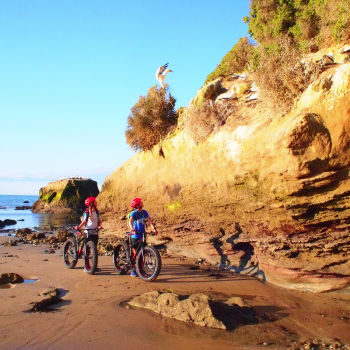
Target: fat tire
[(70, 254), (140, 263), (90, 250), (121, 258)]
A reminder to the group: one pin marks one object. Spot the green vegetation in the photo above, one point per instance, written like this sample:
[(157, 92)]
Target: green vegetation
[(235, 61), (151, 119), (312, 24)]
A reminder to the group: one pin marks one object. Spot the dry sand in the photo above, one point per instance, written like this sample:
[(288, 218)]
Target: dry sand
[(91, 316)]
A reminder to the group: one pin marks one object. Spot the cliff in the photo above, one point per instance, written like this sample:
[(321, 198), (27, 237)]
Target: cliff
[(65, 196), (264, 195)]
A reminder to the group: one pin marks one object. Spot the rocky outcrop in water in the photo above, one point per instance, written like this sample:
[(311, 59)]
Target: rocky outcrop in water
[(65, 196), (266, 196)]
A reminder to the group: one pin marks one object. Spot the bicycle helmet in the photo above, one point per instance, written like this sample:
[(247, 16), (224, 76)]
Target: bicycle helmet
[(135, 202), (89, 200)]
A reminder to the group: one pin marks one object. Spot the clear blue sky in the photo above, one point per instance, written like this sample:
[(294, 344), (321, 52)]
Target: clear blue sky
[(70, 70)]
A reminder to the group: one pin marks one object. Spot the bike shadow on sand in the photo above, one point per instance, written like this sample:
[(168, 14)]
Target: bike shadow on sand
[(245, 266)]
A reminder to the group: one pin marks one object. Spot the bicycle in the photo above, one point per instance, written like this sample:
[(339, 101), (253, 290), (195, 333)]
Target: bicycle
[(78, 245), (146, 260)]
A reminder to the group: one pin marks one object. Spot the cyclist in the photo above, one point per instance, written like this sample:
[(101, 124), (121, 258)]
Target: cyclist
[(138, 219), (90, 220)]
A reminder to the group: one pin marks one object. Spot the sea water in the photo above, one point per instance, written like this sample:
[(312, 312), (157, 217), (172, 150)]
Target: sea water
[(25, 218)]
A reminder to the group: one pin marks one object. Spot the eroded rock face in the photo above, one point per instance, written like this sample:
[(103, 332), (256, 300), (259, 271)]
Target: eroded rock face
[(265, 196), (65, 196)]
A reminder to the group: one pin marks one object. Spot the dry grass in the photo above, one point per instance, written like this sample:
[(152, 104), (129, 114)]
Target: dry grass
[(203, 120), (151, 119), (282, 77)]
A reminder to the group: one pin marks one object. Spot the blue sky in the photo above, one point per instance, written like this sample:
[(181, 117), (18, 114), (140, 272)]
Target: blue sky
[(70, 70)]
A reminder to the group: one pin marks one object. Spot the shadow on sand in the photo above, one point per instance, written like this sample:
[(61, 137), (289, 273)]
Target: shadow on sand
[(245, 266)]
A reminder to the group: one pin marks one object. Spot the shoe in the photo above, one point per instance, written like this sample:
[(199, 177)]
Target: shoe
[(133, 273)]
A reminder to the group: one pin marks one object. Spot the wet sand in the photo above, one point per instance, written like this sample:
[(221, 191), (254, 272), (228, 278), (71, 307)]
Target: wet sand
[(91, 316)]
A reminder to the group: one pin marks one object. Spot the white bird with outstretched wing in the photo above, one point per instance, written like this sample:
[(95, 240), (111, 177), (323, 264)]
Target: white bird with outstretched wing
[(161, 73)]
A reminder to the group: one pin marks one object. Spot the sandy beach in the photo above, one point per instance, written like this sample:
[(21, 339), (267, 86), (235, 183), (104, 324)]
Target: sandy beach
[(92, 316)]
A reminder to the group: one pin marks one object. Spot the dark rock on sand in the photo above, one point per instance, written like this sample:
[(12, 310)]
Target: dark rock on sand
[(23, 232), (10, 277), (49, 297)]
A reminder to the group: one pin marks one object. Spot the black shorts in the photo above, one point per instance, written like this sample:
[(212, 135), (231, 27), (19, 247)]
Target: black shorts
[(93, 238), (135, 242)]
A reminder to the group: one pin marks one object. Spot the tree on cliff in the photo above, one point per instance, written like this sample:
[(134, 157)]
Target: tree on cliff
[(310, 23), (151, 118)]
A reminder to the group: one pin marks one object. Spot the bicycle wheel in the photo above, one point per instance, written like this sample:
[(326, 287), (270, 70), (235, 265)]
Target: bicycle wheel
[(90, 257), (121, 257), (148, 263), (70, 255)]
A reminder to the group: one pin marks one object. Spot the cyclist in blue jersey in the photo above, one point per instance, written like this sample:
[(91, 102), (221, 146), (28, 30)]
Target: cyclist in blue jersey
[(138, 220)]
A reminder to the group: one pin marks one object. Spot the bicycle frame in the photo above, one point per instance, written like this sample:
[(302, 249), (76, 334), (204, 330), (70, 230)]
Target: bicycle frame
[(139, 247), (81, 241)]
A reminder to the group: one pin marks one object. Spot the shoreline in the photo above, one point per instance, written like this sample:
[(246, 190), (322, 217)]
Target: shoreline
[(91, 316)]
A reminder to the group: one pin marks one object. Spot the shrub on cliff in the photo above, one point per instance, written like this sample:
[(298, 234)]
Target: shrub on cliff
[(281, 74), (235, 61), (151, 118), (203, 120), (311, 23)]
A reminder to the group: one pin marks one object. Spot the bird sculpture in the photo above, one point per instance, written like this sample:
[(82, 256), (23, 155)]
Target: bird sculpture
[(162, 71)]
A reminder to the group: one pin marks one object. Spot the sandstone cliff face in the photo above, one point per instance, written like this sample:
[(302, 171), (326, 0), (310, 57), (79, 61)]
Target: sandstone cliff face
[(264, 196), (65, 196)]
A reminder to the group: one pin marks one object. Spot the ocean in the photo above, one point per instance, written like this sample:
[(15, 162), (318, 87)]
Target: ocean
[(25, 218)]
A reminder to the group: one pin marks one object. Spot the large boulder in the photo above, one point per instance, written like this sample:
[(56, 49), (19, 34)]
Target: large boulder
[(65, 196), (197, 308)]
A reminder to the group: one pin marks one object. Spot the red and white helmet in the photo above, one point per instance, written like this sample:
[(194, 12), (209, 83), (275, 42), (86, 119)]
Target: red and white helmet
[(89, 200), (135, 202)]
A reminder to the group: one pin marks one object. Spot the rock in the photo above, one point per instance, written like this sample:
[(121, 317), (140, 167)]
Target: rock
[(230, 94), (326, 60), (197, 308), (23, 207), (35, 236), (2, 224), (10, 277), (65, 196), (10, 244), (25, 201), (60, 237), (236, 301), (209, 92), (23, 232), (10, 222), (193, 309), (318, 344), (48, 298)]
